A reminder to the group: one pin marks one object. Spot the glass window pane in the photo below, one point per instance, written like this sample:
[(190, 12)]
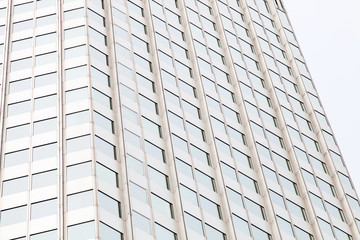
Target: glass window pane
[(77, 171), (108, 233), (44, 179), (76, 95), (44, 209), (46, 79), (13, 186), (16, 158), (76, 72), (107, 175), (49, 38), (141, 222), (77, 144), (163, 233), (45, 102), (20, 85), (18, 108), (109, 204), (44, 126), (83, 231), (45, 151), (44, 235), (77, 118), (12, 216), (80, 200)]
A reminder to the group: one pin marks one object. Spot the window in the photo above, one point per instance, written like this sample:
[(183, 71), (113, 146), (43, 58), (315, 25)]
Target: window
[(228, 171), (309, 177), (82, 231), (22, 44), (210, 207), (242, 158), (16, 158), (163, 233), (255, 209), (259, 234), (13, 216), (105, 147), (44, 126), (281, 161), (277, 199), (159, 178), (23, 25), (45, 151), (46, 79), (101, 98), (18, 108), (97, 36), (46, 20), (74, 52), (297, 210), (107, 175), (155, 151), (73, 13), (99, 55), (74, 32), (193, 223), (234, 197), (335, 211), (205, 180), (151, 127), (78, 143), (109, 204), (320, 165), (162, 206), (141, 222), (79, 200), (289, 185), (44, 235), (21, 8), (284, 226), (103, 122), (107, 232), (75, 73), (20, 85), (20, 64), (188, 195), (184, 168), (44, 209), (96, 17), (45, 102), (241, 226), (77, 118), (14, 186), (214, 234), (44, 179), (21, 131), (270, 174), (325, 227), (249, 183), (316, 200), (138, 192), (327, 187), (301, 234), (78, 171)]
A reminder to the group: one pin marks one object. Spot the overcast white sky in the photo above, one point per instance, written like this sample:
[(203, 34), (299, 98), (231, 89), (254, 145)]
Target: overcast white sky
[(328, 32)]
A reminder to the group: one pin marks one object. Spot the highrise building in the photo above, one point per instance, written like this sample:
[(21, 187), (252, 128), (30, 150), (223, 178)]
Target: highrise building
[(164, 119)]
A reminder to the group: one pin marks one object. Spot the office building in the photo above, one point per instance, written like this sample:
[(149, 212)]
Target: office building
[(164, 119)]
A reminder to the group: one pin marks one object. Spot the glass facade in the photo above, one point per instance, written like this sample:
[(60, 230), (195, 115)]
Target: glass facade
[(164, 119)]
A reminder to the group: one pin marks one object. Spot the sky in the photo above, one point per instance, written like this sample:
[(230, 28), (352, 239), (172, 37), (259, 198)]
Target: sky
[(328, 32)]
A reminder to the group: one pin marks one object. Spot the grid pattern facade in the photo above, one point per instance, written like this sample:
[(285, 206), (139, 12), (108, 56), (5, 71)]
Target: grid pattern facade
[(164, 119)]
